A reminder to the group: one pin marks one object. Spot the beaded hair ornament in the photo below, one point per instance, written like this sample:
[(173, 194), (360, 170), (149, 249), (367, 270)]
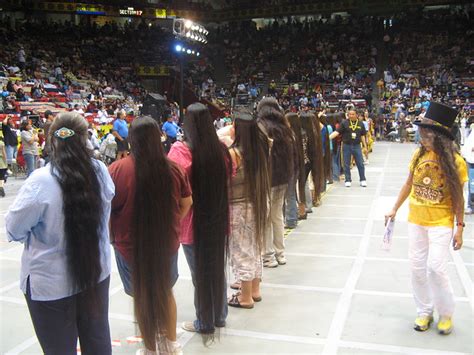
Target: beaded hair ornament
[(64, 133)]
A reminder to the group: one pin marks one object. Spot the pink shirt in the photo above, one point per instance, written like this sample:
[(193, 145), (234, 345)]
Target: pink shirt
[(181, 155)]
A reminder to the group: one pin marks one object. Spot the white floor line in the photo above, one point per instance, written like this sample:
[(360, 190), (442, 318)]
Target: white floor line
[(270, 336), (120, 316), (344, 303), (464, 276), (15, 300), (395, 349), (9, 287), (397, 294), (115, 290), (325, 234), (350, 195), (302, 287), (338, 218), (322, 255), (345, 206), (22, 346)]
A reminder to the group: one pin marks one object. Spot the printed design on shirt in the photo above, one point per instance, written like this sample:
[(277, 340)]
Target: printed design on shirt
[(429, 182)]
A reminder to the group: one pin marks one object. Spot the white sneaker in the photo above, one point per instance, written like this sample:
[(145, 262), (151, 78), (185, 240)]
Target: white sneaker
[(348, 184), (9, 172), (169, 348), (363, 183), (270, 263), (281, 260)]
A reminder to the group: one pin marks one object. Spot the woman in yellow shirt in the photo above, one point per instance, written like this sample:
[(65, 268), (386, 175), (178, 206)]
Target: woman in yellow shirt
[(435, 191)]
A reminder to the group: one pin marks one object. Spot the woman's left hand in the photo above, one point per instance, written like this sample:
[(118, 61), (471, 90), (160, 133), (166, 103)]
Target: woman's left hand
[(457, 240)]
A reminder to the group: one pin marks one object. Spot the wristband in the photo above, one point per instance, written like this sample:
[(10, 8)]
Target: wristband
[(461, 224)]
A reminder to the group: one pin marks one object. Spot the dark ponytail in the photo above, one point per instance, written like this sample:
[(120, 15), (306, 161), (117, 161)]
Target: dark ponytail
[(211, 171), (74, 169), (152, 230)]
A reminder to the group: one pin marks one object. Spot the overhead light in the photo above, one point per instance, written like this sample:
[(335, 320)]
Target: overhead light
[(188, 51), (192, 52), (188, 34), (188, 24), (197, 54), (183, 49), (178, 48)]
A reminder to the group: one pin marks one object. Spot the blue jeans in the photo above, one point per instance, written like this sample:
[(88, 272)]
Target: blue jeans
[(11, 151), (125, 272), (470, 190), (336, 163), (291, 206), (354, 150), (30, 161), (220, 315)]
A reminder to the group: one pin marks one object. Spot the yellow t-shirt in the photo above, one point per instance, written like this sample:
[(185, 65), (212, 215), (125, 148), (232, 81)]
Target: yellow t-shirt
[(430, 200)]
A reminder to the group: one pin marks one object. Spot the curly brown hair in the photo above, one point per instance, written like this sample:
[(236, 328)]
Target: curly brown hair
[(446, 151)]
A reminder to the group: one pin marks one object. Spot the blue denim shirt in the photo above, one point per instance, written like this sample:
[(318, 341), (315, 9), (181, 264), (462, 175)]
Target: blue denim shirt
[(36, 219)]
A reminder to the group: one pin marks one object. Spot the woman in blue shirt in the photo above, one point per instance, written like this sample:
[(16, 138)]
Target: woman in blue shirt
[(61, 215)]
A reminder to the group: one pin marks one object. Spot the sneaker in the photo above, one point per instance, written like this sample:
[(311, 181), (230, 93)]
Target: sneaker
[(9, 172), (423, 323), (189, 327), (270, 263), (348, 184), (445, 325), (363, 183), (169, 348), (145, 352), (281, 260)]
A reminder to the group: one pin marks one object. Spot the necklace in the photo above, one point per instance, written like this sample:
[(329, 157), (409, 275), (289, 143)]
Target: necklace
[(353, 126)]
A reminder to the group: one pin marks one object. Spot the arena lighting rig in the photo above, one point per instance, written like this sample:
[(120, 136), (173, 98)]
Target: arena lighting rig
[(189, 34)]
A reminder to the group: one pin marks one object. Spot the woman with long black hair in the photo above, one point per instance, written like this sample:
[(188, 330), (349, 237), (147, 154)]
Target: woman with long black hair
[(61, 215), (295, 189), (204, 230), (250, 189), (270, 115), (313, 162), (152, 196)]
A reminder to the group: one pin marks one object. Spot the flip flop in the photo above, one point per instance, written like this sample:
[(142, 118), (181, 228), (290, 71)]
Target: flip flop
[(234, 302), (235, 285)]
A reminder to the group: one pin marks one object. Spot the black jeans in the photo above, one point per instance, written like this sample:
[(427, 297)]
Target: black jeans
[(59, 323)]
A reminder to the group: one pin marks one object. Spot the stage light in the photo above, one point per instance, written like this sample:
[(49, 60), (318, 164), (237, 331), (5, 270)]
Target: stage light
[(188, 23), (188, 51), (183, 49), (178, 48), (197, 54), (188, 34), (192, 52)]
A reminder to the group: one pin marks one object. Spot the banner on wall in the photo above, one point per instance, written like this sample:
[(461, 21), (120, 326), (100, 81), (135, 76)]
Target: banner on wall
[(159, 70)]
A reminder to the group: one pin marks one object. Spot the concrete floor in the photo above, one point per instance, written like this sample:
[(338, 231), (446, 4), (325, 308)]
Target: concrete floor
[(339, 293)]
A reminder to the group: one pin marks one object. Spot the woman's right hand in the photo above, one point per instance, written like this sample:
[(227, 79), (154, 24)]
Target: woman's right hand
[(390, 215)]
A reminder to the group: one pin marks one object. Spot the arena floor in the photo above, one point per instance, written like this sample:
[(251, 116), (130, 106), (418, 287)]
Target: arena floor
[(339, 293)]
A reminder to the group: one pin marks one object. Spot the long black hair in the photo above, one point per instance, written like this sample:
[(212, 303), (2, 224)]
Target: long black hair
[(271, 116), (152, 230), (73, 167), (254, 147), (210, 173), (295, 124)]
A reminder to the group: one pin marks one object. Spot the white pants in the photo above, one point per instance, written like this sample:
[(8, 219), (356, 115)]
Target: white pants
[(274, 235), (428, 251)]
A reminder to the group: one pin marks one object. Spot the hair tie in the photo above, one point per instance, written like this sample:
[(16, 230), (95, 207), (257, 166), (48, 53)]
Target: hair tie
[(64, 133)]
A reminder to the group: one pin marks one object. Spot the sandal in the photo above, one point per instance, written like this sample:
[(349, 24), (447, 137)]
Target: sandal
[(234, 302), (235, 285), (257, 299)]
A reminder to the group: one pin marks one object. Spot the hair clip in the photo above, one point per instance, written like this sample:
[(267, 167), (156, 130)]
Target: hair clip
[(64, 133)]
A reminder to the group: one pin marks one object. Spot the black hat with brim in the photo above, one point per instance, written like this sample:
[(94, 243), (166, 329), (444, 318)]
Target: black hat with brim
[(436, 128), (440, 118)]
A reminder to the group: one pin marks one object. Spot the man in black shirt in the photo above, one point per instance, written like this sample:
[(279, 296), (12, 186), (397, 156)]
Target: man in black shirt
[(353, 134)]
